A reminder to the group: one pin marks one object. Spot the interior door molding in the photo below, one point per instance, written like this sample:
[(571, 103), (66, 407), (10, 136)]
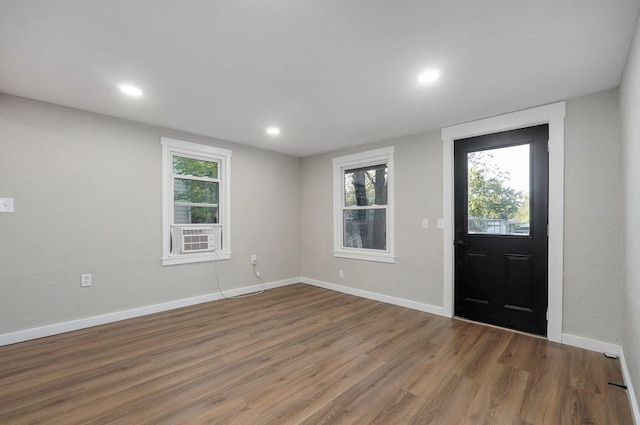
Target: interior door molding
[(553, 115)]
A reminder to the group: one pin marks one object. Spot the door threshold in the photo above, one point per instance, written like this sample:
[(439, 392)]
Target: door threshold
[(500, 327)]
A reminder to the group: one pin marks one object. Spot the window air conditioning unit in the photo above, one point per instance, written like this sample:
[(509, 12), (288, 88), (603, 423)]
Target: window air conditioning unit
[(187, 240)]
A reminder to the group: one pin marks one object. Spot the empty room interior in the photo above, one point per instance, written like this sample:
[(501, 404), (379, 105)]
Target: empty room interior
[(287, 212)]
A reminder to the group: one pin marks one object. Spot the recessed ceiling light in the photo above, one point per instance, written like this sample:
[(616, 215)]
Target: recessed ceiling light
[(273, 131), (429, 76), (130, 90)]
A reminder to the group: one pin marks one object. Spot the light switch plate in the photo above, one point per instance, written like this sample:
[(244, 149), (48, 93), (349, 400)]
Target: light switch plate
[(6, 205)]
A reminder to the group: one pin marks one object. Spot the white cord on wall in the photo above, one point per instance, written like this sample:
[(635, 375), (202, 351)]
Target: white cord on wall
[(217, 271)]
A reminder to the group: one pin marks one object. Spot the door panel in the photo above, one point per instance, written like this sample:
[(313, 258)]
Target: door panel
[(475, 264), (519, 288), (501, 215)]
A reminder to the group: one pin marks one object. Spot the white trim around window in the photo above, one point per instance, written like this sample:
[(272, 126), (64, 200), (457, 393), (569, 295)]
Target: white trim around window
[(357, 161), (171, 148)]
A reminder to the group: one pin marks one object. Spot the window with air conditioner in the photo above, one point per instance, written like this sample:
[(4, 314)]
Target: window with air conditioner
[(196, 220)]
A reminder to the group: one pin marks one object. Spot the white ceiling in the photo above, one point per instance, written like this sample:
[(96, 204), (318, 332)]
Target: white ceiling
[(329, 73)]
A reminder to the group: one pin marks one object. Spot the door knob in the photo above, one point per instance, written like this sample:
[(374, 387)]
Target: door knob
[(460, 243)]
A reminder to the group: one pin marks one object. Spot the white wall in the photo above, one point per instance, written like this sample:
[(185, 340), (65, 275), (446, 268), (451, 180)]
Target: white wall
[(630, 119), (87, 192)]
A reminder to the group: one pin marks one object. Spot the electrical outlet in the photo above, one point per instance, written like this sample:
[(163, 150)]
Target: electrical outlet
[(254, 259), (85, 280), (440, 223), (6, 205), (425, 223), (341, 274)]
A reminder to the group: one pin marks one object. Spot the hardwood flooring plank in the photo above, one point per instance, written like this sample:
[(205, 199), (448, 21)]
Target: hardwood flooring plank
[(499, 397), (312, 395), (389, 407), (547, 387), (446, 403), (305, 355)]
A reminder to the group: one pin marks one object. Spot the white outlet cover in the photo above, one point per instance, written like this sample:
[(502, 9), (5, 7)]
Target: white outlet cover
[(85, 280), (6, 205), (440, 223), (425, 223)]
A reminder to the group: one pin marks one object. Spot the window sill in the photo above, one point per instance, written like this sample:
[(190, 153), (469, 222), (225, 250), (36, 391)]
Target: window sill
[(366, 256), (195, 258)]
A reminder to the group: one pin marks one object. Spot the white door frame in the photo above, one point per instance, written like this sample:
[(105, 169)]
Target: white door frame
[(554, 116)]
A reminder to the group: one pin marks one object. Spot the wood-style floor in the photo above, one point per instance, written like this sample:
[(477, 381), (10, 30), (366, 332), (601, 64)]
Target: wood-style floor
[(305, 355)]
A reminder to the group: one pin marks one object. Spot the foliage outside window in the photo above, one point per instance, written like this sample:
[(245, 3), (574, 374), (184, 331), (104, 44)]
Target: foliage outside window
[(195, 191), (363, 206), (497, 205), (195, 195)]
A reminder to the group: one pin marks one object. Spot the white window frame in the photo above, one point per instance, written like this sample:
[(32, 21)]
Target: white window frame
[(360, 160), (171, 147)]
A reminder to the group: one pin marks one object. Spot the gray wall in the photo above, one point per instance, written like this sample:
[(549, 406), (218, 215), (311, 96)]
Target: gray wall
[(88, 199), (593, 245), (417, 274), (593, 200), (630, 112)]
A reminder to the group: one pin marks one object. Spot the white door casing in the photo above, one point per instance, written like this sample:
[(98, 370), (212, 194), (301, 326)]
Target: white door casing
[(553, 115)]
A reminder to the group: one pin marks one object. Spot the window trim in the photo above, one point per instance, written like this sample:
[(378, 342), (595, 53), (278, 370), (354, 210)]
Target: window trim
[(359, 160), (172, 147)]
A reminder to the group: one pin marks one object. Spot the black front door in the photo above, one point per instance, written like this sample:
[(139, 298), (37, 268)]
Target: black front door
[(501, 215)]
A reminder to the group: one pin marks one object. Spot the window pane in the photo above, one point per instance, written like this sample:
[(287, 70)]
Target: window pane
[(498, 189), (365, 229), (195, 167), (366, 186), (195, 191), (184, 214)]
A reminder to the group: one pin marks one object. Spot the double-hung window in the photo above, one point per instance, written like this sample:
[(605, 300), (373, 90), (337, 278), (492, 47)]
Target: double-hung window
[(363, 206), (195, 202)]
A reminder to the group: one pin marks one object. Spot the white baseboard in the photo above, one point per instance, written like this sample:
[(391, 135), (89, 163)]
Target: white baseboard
[(402, 302), (591, 344), (633, 401), (604, 347), (256, 288), (73, 325)]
